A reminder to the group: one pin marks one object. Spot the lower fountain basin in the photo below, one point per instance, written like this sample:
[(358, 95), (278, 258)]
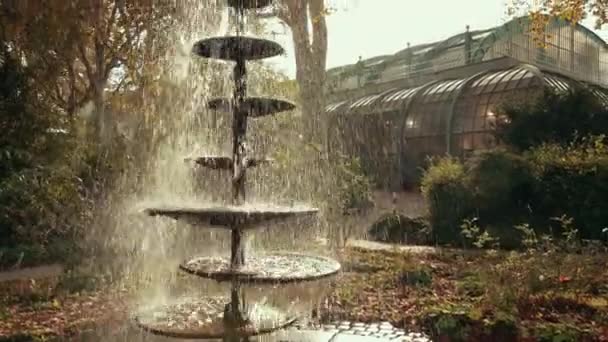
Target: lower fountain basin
[(268, 268), (204, 319), (242, 217)]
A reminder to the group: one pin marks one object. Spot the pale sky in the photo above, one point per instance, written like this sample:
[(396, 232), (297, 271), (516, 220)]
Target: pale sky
[(370, 28)]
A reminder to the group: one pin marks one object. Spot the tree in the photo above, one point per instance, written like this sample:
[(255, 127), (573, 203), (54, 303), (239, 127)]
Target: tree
[(77, 49), (573, 11), (310, 52)]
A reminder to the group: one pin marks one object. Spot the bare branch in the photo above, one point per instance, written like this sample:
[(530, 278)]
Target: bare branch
[(59, 95), (112, 18), (85, 62)]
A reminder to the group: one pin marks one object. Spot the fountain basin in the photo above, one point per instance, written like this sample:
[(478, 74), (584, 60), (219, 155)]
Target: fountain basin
[(235, 48), (254, 106), (193, 318), (232, 217), (267, 268)]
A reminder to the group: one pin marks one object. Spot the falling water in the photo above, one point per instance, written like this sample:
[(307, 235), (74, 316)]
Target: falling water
[(146, 250)]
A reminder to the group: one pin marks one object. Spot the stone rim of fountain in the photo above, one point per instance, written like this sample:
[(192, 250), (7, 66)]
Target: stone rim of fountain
[(231, 217), (193, 327)]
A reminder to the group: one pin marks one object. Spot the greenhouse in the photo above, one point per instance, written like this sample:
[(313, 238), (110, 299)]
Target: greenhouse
[(399, 123)]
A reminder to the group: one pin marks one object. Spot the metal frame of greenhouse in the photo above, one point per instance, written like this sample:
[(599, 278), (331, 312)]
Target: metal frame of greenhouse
[(397, 119)]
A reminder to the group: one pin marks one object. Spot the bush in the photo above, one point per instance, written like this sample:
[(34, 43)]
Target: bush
[(502, 190), (573, 181), (445, 190), (37, 203), (542, 187), (554, 118), (41, 197), (350, 194), (396, 228), (354, 187)]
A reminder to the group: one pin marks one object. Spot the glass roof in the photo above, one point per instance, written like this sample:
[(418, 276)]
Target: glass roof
[(334, 106), (364, 101), (601, 93), (557, 83), (519, 77), (442, 90), (400, 95), (502, 80)]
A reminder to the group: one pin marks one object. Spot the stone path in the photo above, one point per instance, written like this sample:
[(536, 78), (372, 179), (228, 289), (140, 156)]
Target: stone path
[(382, 246)]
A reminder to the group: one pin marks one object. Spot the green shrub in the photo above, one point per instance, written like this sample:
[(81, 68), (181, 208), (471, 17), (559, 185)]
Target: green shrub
[(554, 118), (451, 324), (449, 200), (397, 228), (502, 187), (471, 285), (475, 236), (355, 190), (38, 203), (559, 333), (502, 183), (543, 188), (573, 181), (41, 198)]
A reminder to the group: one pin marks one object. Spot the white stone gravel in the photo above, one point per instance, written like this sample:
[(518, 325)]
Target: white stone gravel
[(359, 332)]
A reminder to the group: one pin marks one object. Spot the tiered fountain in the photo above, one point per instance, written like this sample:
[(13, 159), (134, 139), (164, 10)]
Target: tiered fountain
[(233, 318)]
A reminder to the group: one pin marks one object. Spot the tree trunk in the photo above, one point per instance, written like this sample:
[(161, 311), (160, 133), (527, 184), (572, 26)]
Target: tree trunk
[(103, 120), (311, 54), (103, 124)]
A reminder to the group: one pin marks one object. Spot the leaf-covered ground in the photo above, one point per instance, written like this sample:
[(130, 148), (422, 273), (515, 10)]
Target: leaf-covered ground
[(59, 315), (471, 296)]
